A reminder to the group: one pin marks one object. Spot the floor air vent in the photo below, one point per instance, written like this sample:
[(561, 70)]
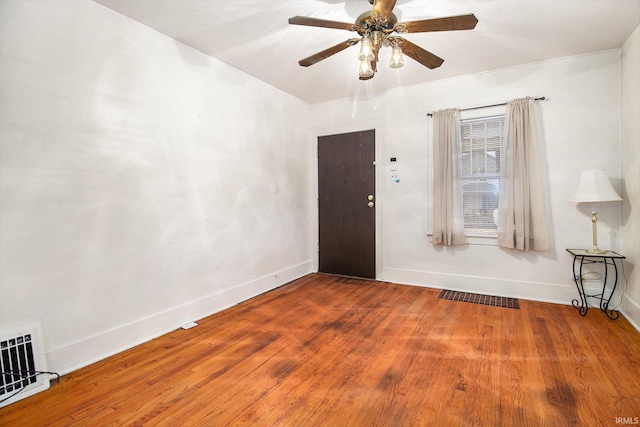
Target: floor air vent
[(22, 360), (480, 299)]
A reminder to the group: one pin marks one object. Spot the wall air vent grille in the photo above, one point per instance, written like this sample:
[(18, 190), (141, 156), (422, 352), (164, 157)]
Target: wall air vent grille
[(21, 364)]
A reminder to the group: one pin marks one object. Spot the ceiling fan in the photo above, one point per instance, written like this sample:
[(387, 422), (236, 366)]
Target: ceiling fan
[(375, 28)]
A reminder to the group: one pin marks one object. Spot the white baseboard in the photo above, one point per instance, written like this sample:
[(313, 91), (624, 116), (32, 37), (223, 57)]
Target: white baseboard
[(97, 347), (535, 291), (631, 311)]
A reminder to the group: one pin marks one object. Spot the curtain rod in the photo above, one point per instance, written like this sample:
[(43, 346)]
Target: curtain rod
[(541, 98)]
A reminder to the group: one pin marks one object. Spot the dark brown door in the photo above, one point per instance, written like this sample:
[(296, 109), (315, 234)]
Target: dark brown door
[(346, 203)]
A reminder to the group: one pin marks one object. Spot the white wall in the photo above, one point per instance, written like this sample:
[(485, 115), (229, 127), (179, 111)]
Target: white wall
[(631, 170), (581, 128), (142, 184)]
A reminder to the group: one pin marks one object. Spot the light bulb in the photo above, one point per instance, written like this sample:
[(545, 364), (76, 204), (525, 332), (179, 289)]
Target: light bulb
[(365, 69), (397, 60), (366, 52)]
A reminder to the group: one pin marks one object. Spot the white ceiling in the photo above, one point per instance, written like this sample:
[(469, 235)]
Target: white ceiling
[(255, 37)]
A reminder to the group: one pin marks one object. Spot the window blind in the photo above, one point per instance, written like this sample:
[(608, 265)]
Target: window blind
[(481, 144)]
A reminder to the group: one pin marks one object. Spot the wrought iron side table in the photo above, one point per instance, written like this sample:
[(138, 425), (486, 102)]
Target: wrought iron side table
[(582, 257)]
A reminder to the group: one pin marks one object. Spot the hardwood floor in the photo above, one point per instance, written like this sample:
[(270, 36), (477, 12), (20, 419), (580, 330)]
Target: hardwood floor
[(331, 351)]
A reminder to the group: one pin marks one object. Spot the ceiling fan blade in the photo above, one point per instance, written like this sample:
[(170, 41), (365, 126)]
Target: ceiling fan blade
[(424, 57), (327, 52), (461, 22), (383, 8), (314, 22)]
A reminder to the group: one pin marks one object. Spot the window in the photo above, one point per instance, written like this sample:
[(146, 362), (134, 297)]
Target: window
[(481, 144)]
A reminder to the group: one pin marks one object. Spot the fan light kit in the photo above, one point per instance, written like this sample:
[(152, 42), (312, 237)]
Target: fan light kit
[(375, 28)]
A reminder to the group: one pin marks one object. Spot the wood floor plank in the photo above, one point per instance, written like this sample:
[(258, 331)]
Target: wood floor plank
[(326, 350)]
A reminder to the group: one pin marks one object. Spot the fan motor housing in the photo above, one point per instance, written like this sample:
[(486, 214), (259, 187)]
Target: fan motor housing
[(365, 21)]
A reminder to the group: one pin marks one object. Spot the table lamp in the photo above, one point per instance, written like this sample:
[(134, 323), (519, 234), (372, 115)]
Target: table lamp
[(594, 187)]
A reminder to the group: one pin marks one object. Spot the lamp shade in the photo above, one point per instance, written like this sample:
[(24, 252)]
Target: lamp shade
[(594, 186)]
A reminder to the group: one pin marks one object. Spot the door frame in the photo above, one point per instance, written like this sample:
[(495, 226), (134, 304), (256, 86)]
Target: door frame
[(359, 126)]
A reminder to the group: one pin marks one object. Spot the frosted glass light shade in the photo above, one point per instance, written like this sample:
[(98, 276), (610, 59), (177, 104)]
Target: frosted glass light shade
[(365, 69), (366, 51), (594, 186), (397, 61)]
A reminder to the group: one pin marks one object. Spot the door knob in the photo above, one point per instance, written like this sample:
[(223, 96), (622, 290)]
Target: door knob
[(370, 197), (370, 204)]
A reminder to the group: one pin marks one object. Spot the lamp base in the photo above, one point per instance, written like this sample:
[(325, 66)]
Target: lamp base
[(595, 250)]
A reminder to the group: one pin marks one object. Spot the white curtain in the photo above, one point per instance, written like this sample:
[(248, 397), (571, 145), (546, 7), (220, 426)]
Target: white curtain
[(448, 216), (522, 221)]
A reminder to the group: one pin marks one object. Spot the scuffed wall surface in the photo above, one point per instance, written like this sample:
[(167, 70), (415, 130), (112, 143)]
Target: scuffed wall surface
[(137, 175)]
